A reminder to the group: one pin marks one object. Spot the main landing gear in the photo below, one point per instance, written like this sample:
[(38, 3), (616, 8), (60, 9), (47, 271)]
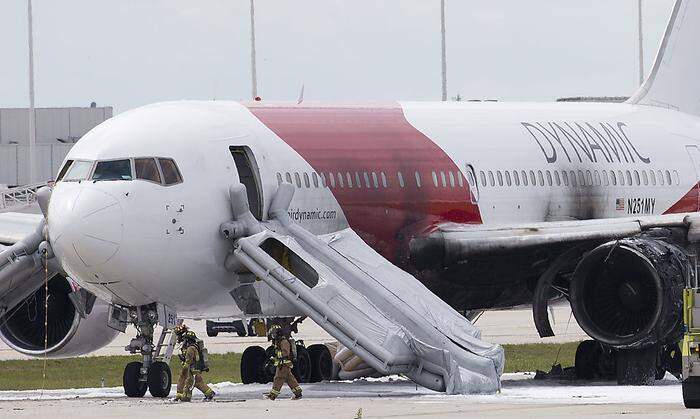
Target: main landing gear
[(312, 364), (153, 372), (629, 366)]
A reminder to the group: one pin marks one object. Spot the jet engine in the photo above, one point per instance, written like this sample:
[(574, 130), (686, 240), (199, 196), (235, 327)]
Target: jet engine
[(629, 293), (68, 334)]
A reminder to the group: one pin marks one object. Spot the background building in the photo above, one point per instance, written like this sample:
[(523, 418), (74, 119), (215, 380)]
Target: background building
[(57, 129)]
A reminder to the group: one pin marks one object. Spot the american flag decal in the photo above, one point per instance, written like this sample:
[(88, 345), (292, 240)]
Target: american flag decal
[(620, 204)]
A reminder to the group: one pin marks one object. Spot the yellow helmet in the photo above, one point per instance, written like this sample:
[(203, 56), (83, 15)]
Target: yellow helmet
[(180, 331), (273, 331)]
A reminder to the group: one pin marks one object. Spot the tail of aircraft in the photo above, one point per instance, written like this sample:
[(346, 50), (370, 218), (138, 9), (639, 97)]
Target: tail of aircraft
[(674, 81)]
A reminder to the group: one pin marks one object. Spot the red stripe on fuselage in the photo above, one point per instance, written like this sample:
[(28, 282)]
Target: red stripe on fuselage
[(689, 202), (341, 140)]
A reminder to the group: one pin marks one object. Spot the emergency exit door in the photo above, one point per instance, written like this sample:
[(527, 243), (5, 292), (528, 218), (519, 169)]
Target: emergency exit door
[(694, 153), (249, 176)]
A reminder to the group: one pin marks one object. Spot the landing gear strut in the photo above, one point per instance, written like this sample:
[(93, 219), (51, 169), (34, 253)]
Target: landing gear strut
[(153, 372)]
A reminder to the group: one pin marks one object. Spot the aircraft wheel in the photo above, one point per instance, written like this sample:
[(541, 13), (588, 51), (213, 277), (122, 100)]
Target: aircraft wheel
[(302, 365), (159, 379), (691, 392), (321, 363), (636, 367), (133, 386), (253, 365), (588, 355)]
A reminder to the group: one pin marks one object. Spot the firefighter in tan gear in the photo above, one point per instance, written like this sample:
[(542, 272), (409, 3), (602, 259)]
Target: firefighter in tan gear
[(191, 374), (283, 363)]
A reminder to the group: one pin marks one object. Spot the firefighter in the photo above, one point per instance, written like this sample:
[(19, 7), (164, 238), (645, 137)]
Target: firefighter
[(283, 363), (191, 374)]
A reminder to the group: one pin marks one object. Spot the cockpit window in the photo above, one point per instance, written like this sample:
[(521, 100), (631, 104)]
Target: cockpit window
[(147, 169), (171, 174), (113, 170), (78, 170), (64, 169)]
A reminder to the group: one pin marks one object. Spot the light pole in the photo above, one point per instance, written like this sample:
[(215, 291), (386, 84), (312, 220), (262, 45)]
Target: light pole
[(641, 43), (444, 53), (253, 70), (32, 120)]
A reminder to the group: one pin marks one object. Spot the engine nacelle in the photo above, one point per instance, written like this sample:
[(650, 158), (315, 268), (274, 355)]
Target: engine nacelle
[(629, 293), (22, 328)]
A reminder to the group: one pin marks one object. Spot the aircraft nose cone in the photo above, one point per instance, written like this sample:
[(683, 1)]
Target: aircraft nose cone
[(86, 223)]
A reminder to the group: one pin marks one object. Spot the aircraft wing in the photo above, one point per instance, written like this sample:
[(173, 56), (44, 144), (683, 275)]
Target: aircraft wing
[(453, 243)]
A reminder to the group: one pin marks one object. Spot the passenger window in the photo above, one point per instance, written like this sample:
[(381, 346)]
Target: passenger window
[(549, 178), (79, 170), (653, 177), (645, 177), (340, 180), (636, 177), (147, 169), (171, 174), (661, 177), (629, 178), (612, 178), (596, 177), (581, 178), (375, 181), (113, 170), (557, 178), (418, 179), (516, 178), (572, 177), (358, 183), (298, 179), (435, 181), (348, 176), (366, 176), (508, 180), (460, 181), (306, 180), (589, 178), (668, 178), (288, 177), (314, 179), (533, 181), (621, 178), (279, 178), (384, 180), (499, 175), (492, 181), (524, 175), (400, 176), (444, 180), (606, 181), (678, 179), (331, 178), (483, 178), (565, 177), (452, 179), (540, 177)]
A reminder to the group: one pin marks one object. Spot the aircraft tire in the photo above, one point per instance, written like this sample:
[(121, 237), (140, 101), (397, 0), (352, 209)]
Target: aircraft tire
[(159, 379), (253, 365), (302, 365), (321, 363), (691, 392), (636, 367), (133, 386), (587, 359)]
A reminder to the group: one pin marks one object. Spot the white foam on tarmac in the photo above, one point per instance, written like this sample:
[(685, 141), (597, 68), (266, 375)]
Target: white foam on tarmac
[(518, 388)]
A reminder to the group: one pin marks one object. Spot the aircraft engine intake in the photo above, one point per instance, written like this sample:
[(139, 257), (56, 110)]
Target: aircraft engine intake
[(629, 293), (69, 334)]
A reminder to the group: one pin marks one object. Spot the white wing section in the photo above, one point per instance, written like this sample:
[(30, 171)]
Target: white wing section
[(455, 242), (673, 82), (15, 226)]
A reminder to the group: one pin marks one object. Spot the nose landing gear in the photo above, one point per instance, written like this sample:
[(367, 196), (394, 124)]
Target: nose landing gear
[(153, 373)]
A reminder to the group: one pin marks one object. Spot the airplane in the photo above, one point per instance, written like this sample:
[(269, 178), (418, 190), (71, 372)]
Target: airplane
[(389, 225)]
